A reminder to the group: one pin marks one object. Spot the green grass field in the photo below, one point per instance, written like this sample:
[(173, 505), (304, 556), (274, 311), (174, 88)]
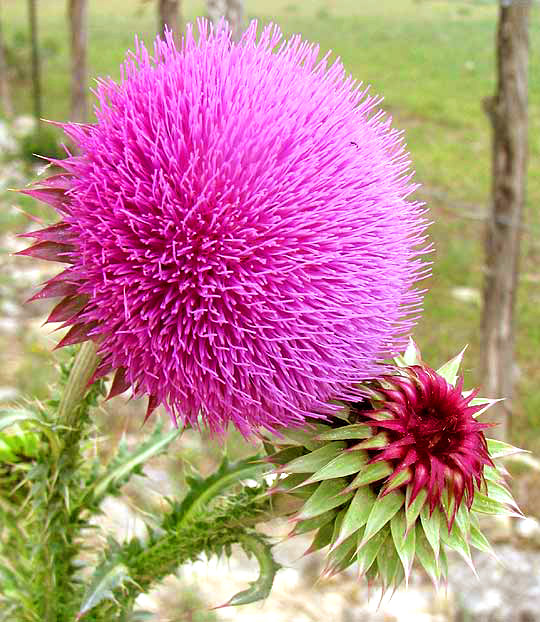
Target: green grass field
[(434, 62)]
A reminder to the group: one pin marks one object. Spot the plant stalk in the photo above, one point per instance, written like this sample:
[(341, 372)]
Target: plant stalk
[(62, 523), (84, 367)]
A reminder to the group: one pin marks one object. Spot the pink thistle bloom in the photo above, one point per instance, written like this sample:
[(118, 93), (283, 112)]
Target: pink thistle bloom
[(237, 231)]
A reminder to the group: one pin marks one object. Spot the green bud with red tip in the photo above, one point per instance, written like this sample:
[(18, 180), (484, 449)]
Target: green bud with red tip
[(404, 476)]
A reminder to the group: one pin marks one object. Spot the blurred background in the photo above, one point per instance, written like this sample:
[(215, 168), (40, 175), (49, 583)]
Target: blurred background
[(435, 63)]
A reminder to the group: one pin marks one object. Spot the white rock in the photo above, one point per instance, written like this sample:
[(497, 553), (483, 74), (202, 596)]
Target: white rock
[(8, 325), (467, 294), (8, 393), (7, 143), (23, 126), (528, 527)]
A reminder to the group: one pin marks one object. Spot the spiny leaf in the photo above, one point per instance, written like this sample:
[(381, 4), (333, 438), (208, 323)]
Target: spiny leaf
[(341, 466), (367, 551), (456, 541), (303, 491), (341, 555), (309, 463), (203, 491), (106, 578), (326, 497), (479, 541), (316, 522), (499, 449), (387, 563), (307, 437), (382, 511), (372, 473), (412, 510), (284, 455), (18, 443), (403, 477), (22, 416), (357, 513), (426, 557), (500, 493), (485, 505), (495, 474), (259, 589), (285, 484), (404, 541), (449, 371), (432, 528), (481, 401), (128, 462), (374, 442), (412, 355), (348, 432), (463, 521), (322, 538)]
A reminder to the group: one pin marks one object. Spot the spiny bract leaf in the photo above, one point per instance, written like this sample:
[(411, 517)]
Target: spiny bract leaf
[(326, 497), (426, 557), (347, 432), (387, 563), (307, 437), (29, 418), (367, 552), (106, 578), (449, 371), (413, 509), (322, 538), (403, 541), (499, 449), (382, 511), (432, 528), (485, 505), (412, 355), (305, 526), (341, 466), (315, 460), (372, 473), (357, 513)]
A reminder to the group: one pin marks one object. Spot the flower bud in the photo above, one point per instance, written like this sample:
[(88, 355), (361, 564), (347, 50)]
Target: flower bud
[(404, 475)]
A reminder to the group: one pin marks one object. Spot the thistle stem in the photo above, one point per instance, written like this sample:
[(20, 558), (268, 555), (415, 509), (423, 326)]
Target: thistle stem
[(62, 524), (84, 367)]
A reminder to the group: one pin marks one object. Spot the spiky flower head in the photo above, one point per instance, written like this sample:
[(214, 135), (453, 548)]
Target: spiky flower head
[(401, 475), (237, 228)]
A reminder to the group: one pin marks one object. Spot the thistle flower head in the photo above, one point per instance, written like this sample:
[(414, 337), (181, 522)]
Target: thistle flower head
[(428, 434), (237, 230), (399, 476)]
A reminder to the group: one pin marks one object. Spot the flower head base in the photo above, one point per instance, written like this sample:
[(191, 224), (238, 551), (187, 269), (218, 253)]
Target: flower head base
[(402, 475), (237, 231)]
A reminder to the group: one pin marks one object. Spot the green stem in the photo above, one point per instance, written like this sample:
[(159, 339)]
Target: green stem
[(62, 523), (83, 369)]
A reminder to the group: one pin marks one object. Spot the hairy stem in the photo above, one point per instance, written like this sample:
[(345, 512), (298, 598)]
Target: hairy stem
[(61, 522), (83, 369), (230, 521)]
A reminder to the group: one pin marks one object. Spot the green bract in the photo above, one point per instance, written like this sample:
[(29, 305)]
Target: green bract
[(367, 494)]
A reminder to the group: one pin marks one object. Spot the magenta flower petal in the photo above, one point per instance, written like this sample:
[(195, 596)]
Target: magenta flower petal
[(239, 230)]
